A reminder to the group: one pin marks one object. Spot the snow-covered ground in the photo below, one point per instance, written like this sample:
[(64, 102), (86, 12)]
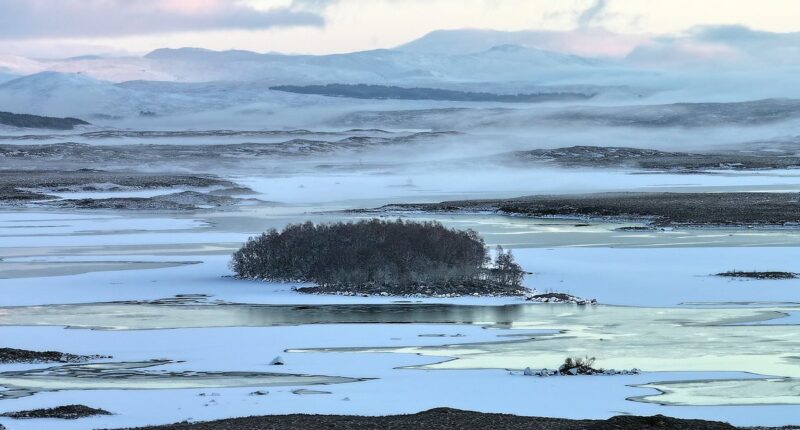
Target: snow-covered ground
[(655, 272), (156, 286)]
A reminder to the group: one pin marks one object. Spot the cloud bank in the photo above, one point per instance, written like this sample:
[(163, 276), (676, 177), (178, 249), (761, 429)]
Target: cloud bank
[(30, 19), (716, 44)]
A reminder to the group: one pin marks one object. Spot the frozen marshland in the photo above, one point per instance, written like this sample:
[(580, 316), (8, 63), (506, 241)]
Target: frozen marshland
[(116, 231)]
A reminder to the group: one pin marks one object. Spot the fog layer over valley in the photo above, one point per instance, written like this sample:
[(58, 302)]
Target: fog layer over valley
[(641, 210)]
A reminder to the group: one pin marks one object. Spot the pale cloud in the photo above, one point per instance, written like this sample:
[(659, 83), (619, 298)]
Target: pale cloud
[(36, 19)]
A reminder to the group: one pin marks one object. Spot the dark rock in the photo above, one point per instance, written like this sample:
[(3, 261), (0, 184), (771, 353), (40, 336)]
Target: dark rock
[(11, 355), (560, 298), (69, 412)]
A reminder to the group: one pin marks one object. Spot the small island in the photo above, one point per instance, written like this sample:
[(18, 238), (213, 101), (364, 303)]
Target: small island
[(758, 275), (379, 257)]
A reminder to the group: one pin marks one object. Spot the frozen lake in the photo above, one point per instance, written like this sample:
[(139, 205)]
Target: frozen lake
[(188, 341)]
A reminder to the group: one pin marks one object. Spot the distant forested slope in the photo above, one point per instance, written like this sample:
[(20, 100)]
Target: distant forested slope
[(363, 91), (36, 121)]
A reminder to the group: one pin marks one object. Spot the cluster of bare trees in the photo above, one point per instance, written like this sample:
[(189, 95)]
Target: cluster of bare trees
[(388, 253)]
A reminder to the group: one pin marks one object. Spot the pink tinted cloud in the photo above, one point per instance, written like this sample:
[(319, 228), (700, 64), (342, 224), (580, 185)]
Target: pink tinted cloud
[(190, 6), (594, 42)]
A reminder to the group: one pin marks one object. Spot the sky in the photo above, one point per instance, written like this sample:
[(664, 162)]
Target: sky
[(62, 28)]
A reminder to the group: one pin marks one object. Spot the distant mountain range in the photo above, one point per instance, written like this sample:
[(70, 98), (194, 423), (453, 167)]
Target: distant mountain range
[(442, 69), (455, 56)]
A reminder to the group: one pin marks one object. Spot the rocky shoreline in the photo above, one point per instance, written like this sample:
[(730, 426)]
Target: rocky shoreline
[(436, 291), (447, 291)]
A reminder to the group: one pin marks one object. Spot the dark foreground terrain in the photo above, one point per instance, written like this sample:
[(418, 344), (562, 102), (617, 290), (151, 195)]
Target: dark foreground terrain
[(659, 209), (445, 418)]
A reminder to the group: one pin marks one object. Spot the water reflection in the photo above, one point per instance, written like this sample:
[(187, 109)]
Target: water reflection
[(181, 313)]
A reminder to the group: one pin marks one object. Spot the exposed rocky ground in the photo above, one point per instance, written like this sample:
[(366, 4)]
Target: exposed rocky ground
[(186, 200), (69, 412), (100, 180), (16, 195), (31, 187), (659, 209), (758, 275), (434, 118), (446, 418), (70, 155), (36, 121), (11, 355), (675, 115), (600, 157), (685, 114)]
